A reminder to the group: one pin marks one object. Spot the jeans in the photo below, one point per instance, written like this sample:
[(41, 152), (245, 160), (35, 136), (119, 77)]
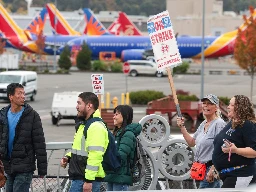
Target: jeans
[(19, 182), (77, 186), (117, 187), (205, 184)]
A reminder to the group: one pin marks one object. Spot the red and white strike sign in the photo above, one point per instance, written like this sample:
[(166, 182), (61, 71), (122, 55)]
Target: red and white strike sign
[(97, 84), (126, 68)]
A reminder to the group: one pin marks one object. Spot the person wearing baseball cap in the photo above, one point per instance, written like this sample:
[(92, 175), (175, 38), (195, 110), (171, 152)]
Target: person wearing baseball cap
[(203, 139), (212, 98)]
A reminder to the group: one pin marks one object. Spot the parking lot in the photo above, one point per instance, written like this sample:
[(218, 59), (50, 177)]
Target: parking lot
[(48, 84)]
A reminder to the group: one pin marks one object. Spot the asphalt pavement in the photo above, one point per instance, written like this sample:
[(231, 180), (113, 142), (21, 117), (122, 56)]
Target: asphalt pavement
[(115, 84)]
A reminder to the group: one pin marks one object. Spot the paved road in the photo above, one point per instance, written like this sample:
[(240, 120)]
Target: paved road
[(115, 84)]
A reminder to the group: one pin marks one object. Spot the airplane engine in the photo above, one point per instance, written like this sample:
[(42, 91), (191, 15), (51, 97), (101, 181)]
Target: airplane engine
[(132, 54)]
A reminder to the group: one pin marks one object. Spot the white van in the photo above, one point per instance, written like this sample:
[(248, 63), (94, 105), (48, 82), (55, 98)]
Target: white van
[(26, 78), (63, 106)]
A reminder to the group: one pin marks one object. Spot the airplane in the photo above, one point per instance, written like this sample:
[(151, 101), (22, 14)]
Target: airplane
[(134, 47), (18, 38), (121, 26), (127, 26), (37, 24), (62, 27), (115, 28), (93, 26), (25, 40)]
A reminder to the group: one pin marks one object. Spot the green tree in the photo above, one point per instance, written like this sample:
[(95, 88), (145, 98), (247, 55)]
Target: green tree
[(64, 61), (245, 47), (181, 69), (237, 5), (83, 59)]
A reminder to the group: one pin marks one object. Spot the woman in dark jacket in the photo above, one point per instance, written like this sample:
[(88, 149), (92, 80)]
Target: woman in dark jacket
[(235, 146), (125, 133)]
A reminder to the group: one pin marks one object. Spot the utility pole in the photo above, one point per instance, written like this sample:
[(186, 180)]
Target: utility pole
[(55, 48), (202, 50)]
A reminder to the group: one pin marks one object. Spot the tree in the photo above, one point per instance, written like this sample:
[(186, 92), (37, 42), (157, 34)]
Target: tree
[(245, 47), (40, 42), (64, 61), (2, 45), (83, 59), (2, 49)]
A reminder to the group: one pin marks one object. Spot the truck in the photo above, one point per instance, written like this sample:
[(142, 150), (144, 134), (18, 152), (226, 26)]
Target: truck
[(64, 106)]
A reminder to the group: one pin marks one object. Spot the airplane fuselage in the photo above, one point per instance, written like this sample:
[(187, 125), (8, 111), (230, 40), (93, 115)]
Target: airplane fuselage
[(189, 47)]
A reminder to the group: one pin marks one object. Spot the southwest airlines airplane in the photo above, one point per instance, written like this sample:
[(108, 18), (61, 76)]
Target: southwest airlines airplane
[(133, 47), (61, 27), (124, 47), (17, 37)]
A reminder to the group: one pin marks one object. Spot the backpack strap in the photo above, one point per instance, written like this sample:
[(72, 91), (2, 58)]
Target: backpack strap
[(89, 122)]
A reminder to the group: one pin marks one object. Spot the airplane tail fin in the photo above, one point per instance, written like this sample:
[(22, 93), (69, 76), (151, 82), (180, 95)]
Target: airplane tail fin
[(129, 28), (243, 26), (93, 25), (61, 26), (8, 26), (37, 24), (115, 28)]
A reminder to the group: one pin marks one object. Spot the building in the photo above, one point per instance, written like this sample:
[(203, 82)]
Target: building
[(187, 20)]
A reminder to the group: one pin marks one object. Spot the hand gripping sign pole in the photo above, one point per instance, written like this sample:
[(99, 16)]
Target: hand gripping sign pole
[(98, 86), (165, 47)]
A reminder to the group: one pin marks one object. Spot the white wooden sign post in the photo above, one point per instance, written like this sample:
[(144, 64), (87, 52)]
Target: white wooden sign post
[(165, 47)]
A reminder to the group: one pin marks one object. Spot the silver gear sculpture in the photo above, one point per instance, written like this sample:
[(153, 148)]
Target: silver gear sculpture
[(176, 158), (155, 130)]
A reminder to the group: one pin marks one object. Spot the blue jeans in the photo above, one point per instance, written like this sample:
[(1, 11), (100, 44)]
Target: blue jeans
[(19, 182), (206, 184), (77, 186), (117, 187)]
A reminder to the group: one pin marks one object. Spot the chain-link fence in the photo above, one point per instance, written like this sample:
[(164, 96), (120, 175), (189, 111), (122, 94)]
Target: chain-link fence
[(50, 184)]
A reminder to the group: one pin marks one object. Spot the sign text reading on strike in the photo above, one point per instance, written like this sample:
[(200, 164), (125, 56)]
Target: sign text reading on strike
[(170, 61), (159, 25), (161, 37)]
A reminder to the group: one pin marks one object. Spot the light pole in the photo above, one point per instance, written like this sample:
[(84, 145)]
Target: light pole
[(29, 2), (55, 56), (202, 51)]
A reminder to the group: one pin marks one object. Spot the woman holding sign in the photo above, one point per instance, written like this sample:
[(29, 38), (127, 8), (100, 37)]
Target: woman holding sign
[(203, 169)]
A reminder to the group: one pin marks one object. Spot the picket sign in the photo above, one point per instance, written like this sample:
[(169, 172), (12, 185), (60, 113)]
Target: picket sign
[(165, 47), (98, 86)]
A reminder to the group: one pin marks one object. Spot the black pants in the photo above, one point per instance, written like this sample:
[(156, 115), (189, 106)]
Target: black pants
[(237, 182)]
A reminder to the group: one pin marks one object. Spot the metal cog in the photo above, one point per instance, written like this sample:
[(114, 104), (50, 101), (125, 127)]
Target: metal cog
[(183, 165), (155, 130), (176, 158)]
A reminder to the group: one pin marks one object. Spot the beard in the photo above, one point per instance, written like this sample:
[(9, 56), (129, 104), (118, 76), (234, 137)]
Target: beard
[(82, 114)]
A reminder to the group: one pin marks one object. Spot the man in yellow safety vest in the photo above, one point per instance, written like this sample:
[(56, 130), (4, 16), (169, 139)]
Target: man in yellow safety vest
[(86, 156)]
